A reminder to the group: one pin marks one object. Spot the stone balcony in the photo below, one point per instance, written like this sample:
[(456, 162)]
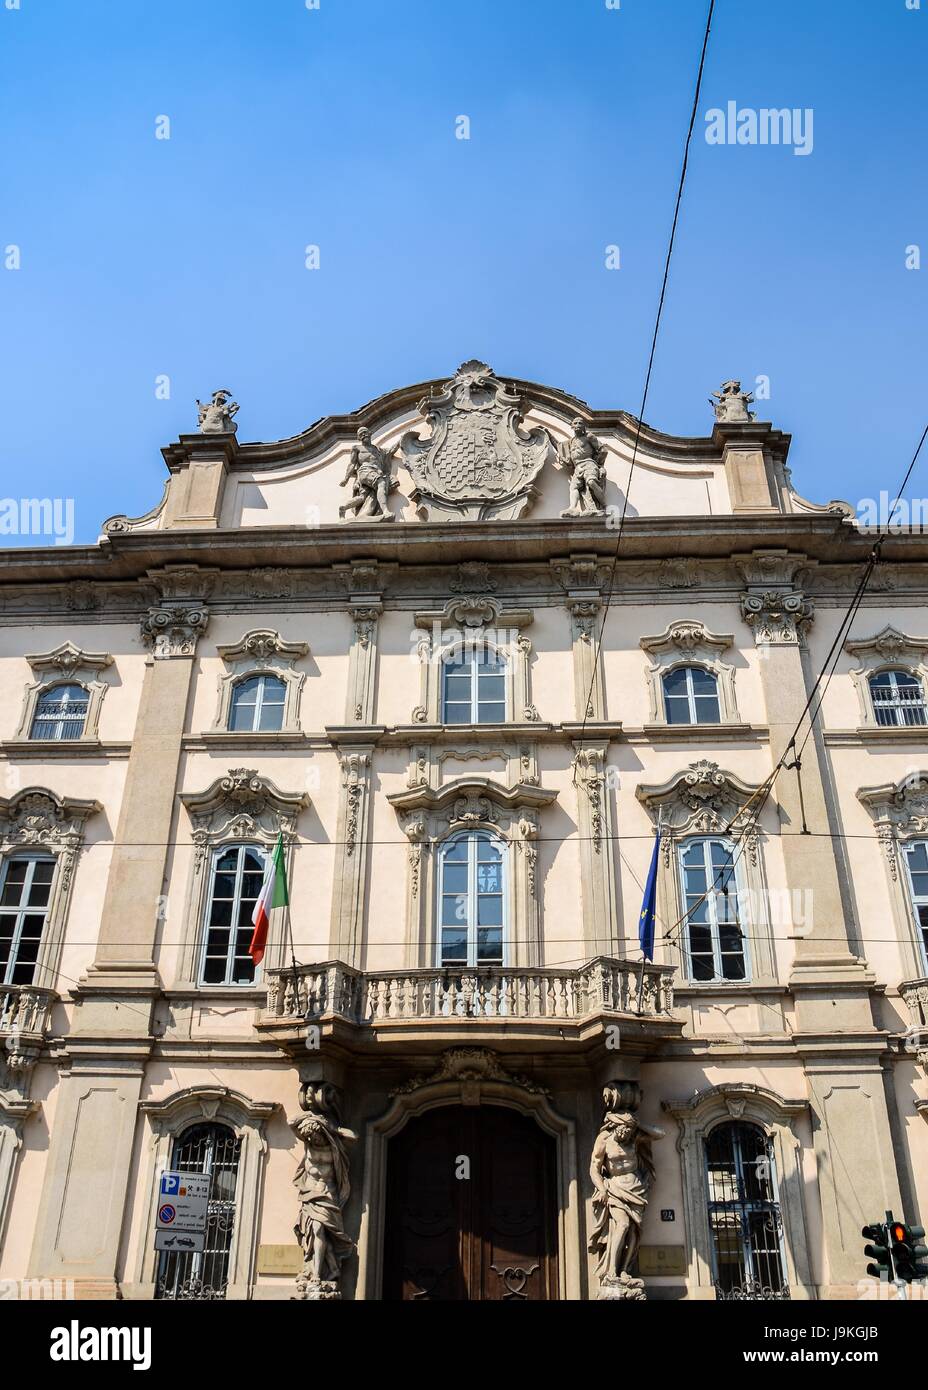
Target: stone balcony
[(538, 1005), (25, 1013)]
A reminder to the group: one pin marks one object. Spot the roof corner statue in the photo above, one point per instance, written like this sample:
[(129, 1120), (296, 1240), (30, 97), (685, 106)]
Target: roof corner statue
[(477, 462), (216, 416), (730, 403)]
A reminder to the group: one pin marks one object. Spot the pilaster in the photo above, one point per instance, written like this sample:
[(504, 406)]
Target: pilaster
[(346, 938), (581, 577), (596, 840)]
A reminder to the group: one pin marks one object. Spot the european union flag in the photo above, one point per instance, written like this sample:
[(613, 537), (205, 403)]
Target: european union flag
[(648, 905)]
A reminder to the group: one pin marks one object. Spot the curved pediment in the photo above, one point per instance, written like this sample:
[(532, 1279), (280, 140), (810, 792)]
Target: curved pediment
[(472, 447)]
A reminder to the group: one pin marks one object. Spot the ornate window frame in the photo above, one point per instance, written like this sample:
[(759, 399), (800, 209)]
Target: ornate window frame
[(689, 643), (473, 619), (778, 1118), (167, 1120), (887, 650), (65, 664), (900, 814), (261, 652), (700, 802), (239, 808), (429, 817), (37, 820)]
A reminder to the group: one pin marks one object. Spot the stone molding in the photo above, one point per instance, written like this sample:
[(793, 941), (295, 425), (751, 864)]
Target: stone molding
[(62, 665), (167, 1120), (473, 619), (779, 1118), (240, 808), (887, 650), (38, 819), (262, 651), (686, 642)]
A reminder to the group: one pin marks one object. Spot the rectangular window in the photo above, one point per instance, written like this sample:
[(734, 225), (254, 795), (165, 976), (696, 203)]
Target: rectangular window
[(25, 887), (716, 948), (916, 856), (235, 886), (472, 912)]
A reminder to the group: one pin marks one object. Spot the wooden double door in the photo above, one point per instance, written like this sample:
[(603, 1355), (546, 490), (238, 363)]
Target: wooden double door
[(471, 1208)]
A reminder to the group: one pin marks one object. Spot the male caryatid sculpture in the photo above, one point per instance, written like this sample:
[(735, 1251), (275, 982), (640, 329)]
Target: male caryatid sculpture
[(324, 1186), (216, 416), (622, 1171), (583, 457), (369, 472)]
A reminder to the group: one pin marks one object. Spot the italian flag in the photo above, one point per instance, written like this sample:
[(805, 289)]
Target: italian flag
[(274, 893)]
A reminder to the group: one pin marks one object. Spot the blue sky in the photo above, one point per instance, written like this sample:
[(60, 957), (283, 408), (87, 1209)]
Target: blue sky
[(336, 127)]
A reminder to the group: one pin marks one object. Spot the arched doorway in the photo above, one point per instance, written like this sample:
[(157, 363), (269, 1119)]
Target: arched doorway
[(471, 1209)]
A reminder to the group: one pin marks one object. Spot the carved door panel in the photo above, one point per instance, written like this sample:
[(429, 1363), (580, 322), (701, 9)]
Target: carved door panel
[(491, 1235)]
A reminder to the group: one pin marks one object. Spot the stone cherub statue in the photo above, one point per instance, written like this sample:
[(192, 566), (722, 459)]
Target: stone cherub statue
[(583, 457), (730, 403), (324, 1186), (622, 1171), (216, 417), (369, 470)]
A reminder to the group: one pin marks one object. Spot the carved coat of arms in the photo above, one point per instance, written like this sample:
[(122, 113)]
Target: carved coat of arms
[(477, 462)]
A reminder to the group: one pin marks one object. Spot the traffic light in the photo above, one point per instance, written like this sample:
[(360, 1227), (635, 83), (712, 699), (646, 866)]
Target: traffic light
[(907, 1251), (879, 1250)]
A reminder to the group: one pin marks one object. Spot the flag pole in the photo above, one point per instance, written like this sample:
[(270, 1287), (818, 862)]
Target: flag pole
[(660, 815)]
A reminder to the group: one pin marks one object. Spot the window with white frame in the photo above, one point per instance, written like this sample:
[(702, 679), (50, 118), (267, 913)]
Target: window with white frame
[(258, 705), (473, 685), (691, 696), (471, 882), (744, 1213), (898, 698), (916, 857), (25, 887), (236, 876), (60, 712), (715, 946)]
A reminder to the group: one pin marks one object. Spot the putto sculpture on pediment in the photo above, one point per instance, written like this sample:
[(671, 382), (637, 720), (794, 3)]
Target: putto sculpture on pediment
[(477, 462)]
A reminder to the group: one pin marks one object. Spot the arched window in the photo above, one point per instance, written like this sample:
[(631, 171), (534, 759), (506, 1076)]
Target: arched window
[(471, 900), (916, 856), (744, 1213), (60, 712), (691, 696), (716, 948), (235, 886), (474, 685), (192, 1274), (898, 698), (25, 885), (258, 705)]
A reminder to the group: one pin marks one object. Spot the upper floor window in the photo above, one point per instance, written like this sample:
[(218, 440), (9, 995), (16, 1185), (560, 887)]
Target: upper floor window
[(25, 886), (715, 945), (235, 886), (470, 885), (258, 705), (917, 860), (691, 696), (474, 686), (60, 712), (898, 698), (744, 1213)]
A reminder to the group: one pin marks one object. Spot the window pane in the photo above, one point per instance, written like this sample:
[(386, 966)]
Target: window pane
[(707, 709), (457, 714), (489, 911), (491, 713), (457, 850), (492, 688), (489, 946), (272, 716), (453, 945), (453, 908), (455, 877), (675, 682), (457, 688), (703, 681), (491, 662), (677, 710)]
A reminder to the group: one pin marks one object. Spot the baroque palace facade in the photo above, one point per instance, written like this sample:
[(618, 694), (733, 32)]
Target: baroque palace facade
[(452, 1076)]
